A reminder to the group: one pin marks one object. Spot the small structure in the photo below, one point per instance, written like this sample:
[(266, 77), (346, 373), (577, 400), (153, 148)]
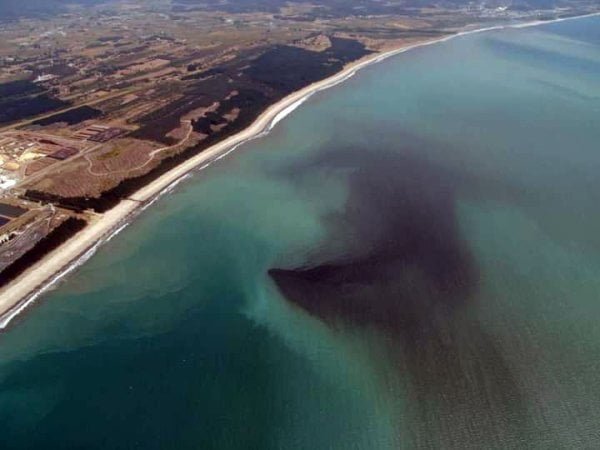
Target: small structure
[(98, 133), (44, 77), (107, 135), (63, 153)]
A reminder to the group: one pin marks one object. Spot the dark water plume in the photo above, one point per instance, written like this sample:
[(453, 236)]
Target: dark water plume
[(406, 272)]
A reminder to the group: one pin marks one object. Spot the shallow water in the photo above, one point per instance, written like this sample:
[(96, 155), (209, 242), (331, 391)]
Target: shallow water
[(434, 222)]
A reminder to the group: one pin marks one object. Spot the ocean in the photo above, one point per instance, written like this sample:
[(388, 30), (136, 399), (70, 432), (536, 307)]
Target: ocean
[(411, 259)]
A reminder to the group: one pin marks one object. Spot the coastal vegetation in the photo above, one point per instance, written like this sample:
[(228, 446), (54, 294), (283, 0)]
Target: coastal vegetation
[(102, 101)]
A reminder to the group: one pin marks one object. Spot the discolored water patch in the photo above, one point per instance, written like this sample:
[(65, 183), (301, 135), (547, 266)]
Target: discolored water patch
[(405, 271)]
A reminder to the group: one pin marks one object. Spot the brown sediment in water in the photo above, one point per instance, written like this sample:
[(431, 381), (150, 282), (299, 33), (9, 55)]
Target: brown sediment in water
[(126, 199), (407, 273)]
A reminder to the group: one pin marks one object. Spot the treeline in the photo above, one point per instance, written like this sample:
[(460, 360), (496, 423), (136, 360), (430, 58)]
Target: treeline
[(53, 240), (260, 79), (22, 99)]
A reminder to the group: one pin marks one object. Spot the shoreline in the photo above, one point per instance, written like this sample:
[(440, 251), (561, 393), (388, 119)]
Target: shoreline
[(42, 276)]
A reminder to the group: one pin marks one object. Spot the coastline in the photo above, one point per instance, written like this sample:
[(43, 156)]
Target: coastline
[(46, 273)]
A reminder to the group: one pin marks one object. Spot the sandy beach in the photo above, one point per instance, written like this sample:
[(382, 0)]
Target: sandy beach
[(42, 276)]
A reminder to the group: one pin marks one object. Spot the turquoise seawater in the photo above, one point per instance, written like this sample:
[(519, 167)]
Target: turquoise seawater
[(173, 336)]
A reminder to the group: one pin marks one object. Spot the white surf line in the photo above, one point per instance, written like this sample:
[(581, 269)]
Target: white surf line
[(278, 111), (54, 281), (12, 313)]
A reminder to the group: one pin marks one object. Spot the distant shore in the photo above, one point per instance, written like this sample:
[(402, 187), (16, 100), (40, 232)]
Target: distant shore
[(46, 273)]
